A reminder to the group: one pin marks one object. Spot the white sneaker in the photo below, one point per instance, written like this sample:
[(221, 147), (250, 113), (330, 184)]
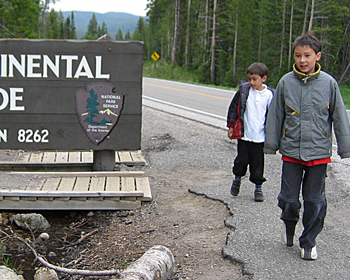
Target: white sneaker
[(309, 253)]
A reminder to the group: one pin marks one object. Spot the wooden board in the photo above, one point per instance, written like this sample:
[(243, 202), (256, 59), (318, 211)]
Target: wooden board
[(70, 205), (56, 180), (103, 192), (66, 159)]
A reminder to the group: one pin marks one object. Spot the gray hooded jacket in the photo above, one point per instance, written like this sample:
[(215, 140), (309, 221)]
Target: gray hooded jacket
[(300, 118)]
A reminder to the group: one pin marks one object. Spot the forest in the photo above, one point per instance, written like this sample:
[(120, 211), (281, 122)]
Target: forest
[(214, 39)]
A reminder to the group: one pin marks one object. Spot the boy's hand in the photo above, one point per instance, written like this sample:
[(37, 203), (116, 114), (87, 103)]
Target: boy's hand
[(230, 132)]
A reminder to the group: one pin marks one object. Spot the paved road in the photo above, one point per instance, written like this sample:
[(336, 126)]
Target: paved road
[(204, 104), (254, 238)]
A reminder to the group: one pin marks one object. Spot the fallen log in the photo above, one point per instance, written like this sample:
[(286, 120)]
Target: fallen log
[(156, 264)]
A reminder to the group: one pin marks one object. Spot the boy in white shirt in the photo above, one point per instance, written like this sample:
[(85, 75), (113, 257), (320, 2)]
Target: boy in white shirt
[(252, 111)]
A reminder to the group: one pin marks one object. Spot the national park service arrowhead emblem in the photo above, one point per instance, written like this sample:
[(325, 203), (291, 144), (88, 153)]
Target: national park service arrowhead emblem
[(98, 107)]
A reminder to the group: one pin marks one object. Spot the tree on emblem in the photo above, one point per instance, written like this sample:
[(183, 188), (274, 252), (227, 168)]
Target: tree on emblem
[(91, 107)]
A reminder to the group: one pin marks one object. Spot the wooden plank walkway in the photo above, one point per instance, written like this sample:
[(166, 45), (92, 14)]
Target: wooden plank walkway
[(73, 190), (65, 159)]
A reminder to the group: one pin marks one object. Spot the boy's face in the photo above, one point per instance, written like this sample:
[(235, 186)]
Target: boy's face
[(306, 58), (255, 81)]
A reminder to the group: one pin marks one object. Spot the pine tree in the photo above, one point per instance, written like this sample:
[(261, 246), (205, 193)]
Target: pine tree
[(73, 28), (91, 107), (52, 25), (127, 36), (103, 29), (20, 19), (119, 35), (92, 31)]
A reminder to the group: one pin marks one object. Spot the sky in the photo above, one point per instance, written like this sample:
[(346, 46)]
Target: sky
[(134, 7)]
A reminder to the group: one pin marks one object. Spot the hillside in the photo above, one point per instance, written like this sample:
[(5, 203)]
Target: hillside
[(114, 21)]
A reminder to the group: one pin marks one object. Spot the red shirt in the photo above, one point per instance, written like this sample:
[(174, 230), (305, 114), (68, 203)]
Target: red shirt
[(307, 163)]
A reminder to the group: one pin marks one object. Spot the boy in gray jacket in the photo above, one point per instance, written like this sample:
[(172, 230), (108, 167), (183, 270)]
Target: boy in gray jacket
[(306, 104)]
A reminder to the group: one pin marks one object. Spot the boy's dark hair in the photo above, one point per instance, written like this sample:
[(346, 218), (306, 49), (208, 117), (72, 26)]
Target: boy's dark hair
[(258, 68), (308, 39)]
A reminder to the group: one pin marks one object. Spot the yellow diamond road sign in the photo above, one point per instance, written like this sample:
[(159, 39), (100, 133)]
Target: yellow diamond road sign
[(155, 56)]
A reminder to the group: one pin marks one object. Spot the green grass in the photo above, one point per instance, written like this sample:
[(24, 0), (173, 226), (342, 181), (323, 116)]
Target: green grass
[(161, 70), (345, 92), (6, 260)]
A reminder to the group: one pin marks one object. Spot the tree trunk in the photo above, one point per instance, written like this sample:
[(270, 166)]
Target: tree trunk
[(206, 32), (305, 17), (174, 53), (156, 264), (261, 29), (235, 49), (312, 14), (213, 46), (344, 36), (283, 34), (290, 35), (43, 18), (169, 45), (188, 34)]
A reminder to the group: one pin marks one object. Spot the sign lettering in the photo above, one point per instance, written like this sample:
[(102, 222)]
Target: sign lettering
[(11, 99), (37, 66)]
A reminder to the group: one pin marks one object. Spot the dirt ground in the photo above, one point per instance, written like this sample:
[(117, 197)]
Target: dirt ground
[(191, 226)]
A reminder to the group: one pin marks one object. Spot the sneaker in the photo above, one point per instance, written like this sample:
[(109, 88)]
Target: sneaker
[(309, 253), (258, 195), (288, 235), (235, 187)]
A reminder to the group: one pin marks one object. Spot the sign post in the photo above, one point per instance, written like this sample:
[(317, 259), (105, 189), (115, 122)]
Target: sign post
[(70, 95)]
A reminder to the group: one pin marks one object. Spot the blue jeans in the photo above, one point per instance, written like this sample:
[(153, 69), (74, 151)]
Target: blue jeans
[(312, 180)]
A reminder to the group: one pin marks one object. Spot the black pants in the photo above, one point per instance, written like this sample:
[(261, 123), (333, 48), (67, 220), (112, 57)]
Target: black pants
[(312, 180), (252, 154)]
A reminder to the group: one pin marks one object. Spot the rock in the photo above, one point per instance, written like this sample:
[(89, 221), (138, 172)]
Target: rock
[(90, 214), (44, 236), (123, 214), (52, 254), (44, 273), (8, 274), (31, 221)]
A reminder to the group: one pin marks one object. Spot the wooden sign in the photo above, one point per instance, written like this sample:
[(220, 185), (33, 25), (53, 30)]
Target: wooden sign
[(70, 94)]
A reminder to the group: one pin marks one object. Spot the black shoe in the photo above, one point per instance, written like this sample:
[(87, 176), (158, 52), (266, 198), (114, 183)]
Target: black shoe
[(236, 184), (258, 195), (288, 235)]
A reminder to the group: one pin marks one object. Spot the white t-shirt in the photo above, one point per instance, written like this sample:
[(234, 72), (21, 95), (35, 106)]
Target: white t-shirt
[(257, 105)]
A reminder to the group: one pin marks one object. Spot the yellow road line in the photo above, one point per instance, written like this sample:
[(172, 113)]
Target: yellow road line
[(194, 92)]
